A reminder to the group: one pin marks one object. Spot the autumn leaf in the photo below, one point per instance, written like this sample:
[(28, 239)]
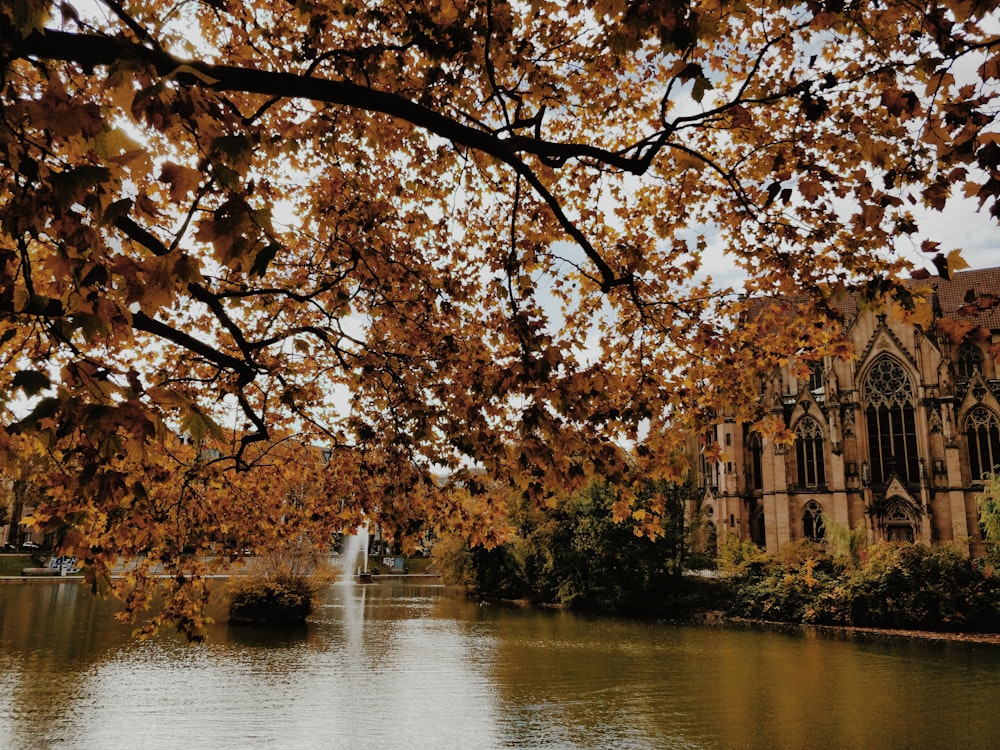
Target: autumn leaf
[(811, 189), (955, 330), (921, 315), (182, 180), (899, 102), (956, 262), (31, 382)]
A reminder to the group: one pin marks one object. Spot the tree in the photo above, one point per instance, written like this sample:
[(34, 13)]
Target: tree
[(470, 233), (989, 515), (27, 474), (572, 553)]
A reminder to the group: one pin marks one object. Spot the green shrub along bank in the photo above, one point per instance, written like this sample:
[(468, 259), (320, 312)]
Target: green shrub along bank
[(888, 585), (883, 585), (13, 565), (573, 554)]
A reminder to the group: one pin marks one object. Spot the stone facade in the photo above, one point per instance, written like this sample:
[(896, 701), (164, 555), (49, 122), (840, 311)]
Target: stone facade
[(897, 439)]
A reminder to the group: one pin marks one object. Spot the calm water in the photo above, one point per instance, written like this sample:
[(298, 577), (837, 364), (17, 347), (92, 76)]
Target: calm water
[(403, 666)]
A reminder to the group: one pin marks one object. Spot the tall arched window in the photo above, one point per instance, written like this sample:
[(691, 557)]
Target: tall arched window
[(982, 433), (816, 376), (812, 521), (969, 361), (756, 462), (892, 431), (809, 452)]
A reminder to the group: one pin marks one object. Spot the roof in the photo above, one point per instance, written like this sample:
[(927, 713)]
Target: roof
[(955, 296), (967, 296)]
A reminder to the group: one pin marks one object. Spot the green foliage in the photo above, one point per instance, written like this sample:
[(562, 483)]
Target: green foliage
[(787, 595), (574, 554), (259, 600), (845, 544), (742, 558), (989, 516), (281, 589), (452, 556), (919, 586), (897, 585)]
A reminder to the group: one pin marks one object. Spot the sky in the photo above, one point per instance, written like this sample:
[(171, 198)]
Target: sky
[(961, 226)]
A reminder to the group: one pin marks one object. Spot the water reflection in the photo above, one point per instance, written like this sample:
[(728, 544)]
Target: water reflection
[(396, 665)]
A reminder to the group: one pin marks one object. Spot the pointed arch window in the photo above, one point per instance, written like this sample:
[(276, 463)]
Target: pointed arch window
[(756, 462), (816, 376), (969, 361), (809, 453), (890, 414), (899, 523), (982, 434), (812, 521)]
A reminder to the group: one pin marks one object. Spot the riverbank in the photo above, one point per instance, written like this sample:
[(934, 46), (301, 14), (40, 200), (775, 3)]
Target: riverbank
[(857, 633), (707, 618), (719, 618), (23, 568)]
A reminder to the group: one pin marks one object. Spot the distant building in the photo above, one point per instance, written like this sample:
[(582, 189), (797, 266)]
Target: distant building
[(898, 439)]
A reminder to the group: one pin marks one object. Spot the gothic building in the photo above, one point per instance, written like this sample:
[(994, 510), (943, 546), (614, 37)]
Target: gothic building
[(898, 438)]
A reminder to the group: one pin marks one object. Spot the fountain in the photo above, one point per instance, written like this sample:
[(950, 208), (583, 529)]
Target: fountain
[(355, 545)]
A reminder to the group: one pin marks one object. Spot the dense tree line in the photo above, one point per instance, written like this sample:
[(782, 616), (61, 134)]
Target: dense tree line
[(575, 554)]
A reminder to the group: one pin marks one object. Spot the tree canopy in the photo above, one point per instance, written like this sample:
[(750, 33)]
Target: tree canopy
[(415, 237)]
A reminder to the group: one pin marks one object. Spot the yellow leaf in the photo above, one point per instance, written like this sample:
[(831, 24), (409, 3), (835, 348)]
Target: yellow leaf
[(956, 262), (922, 315)]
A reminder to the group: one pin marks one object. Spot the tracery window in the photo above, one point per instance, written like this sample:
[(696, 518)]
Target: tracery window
[(982, 434), (812, 521), (899, 526), (889, 412), (969, 361), (809, 453)]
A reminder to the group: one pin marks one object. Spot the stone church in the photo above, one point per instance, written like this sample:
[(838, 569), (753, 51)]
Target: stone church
[(898, 438)]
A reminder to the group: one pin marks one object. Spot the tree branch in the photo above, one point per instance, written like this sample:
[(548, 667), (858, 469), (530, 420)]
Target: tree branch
[(91, 50), (143, 322)]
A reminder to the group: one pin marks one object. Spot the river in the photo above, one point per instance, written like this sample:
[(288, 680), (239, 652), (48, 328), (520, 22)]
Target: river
[(407, 666)]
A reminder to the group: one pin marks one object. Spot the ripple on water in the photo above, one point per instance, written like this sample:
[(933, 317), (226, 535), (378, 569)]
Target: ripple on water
[(408, 667)]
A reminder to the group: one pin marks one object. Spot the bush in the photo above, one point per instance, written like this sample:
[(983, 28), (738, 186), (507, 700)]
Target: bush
[(919, 586), (897, 585), (789, 594), (744, 559), (989, 517), (452, 557), (257, 600), (283, 587)]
